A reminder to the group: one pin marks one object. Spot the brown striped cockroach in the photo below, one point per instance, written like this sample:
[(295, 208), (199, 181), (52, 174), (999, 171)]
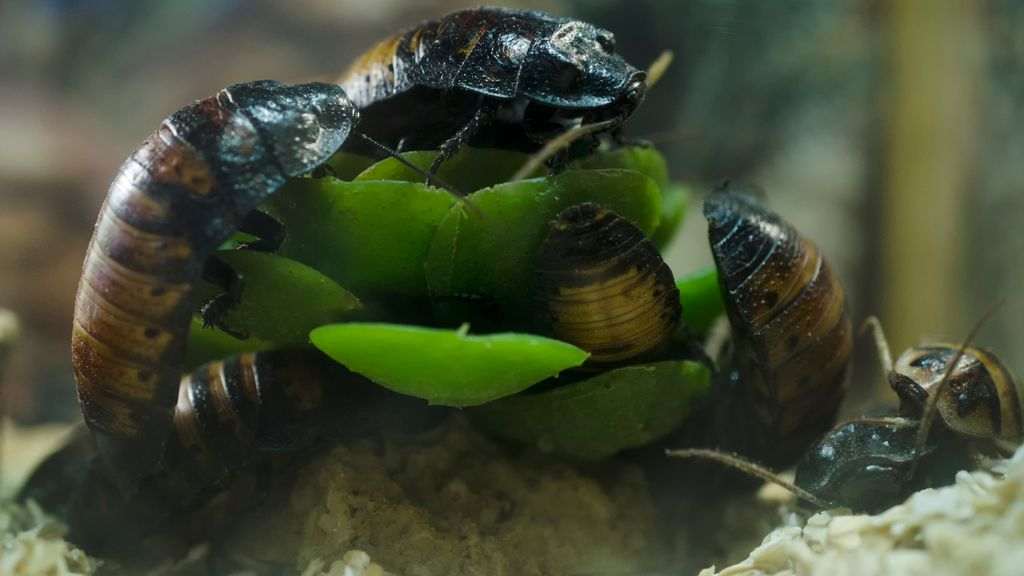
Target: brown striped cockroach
[(492, 76), (164, 439), (790, 324), (173, 202)]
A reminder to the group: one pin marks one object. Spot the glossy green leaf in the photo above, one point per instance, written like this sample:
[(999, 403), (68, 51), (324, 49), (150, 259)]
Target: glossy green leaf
[(281, 300), (206, 344), (470, 169), (488, 253), (447, 367), (675, 199), (597, 417), (701, 298), (644, 159), (371, 237)]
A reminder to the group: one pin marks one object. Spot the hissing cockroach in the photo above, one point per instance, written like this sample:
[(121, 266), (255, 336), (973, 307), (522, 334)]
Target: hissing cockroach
[(173, 202), (870, 464), (866, 465), (511, 78), (601, 285), (790, 325)]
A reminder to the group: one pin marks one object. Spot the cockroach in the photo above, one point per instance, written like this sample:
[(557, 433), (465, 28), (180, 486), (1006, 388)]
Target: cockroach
[(601, 285), (792, 332), (874, 463), (871, 464), (173, 202), (491, 76), (163, 441)]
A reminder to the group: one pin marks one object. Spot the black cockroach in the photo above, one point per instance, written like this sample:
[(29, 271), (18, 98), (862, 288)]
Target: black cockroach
[(790, 325), (601, 285), (491, 76)]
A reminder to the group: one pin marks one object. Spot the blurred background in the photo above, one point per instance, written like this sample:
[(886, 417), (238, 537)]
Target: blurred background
[(889, 132)]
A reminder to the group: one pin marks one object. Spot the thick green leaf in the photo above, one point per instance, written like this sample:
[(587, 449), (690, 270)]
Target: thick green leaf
[(369, 236), (446, 367), (487, 253), (701, 298), (282, 300), (470, 169), (644, 159), (206, 344), (597, 417), (675, 199)]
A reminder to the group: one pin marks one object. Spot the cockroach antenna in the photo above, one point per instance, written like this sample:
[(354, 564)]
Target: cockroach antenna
[(658, 67), (431, 178), (749, 468), (931, 406), (872, 324)]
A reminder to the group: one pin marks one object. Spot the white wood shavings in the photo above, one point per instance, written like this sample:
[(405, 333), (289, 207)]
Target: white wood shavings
[(975, 526), (32, 543), (353, 563)]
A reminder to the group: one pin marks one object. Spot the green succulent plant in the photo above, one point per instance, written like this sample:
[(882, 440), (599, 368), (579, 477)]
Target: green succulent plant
[(427, 294)]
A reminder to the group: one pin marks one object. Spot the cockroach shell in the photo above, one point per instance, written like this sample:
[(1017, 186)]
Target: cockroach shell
[(982, 398), (863, 464), (788, 313), (601, 285)]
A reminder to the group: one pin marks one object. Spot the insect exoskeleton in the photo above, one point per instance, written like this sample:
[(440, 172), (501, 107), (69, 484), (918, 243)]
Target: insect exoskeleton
[(981, 400), (790, 323), (510, 78), (863, 464), (173, 202), (601, 285)]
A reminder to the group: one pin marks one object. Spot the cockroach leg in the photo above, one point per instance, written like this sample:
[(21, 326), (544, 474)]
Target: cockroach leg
[(265, 227), (480, 118), (221, 274)]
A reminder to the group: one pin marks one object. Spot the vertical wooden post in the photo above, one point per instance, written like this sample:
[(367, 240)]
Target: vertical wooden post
[(932, 50)]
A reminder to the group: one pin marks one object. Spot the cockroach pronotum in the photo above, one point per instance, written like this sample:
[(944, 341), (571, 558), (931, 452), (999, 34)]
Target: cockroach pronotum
[(790, 324), (491, 76), (600, 284)]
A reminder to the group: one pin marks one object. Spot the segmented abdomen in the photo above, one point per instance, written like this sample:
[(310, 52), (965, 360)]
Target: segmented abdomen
[(601, 285), (788, 313), (231, 412)]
